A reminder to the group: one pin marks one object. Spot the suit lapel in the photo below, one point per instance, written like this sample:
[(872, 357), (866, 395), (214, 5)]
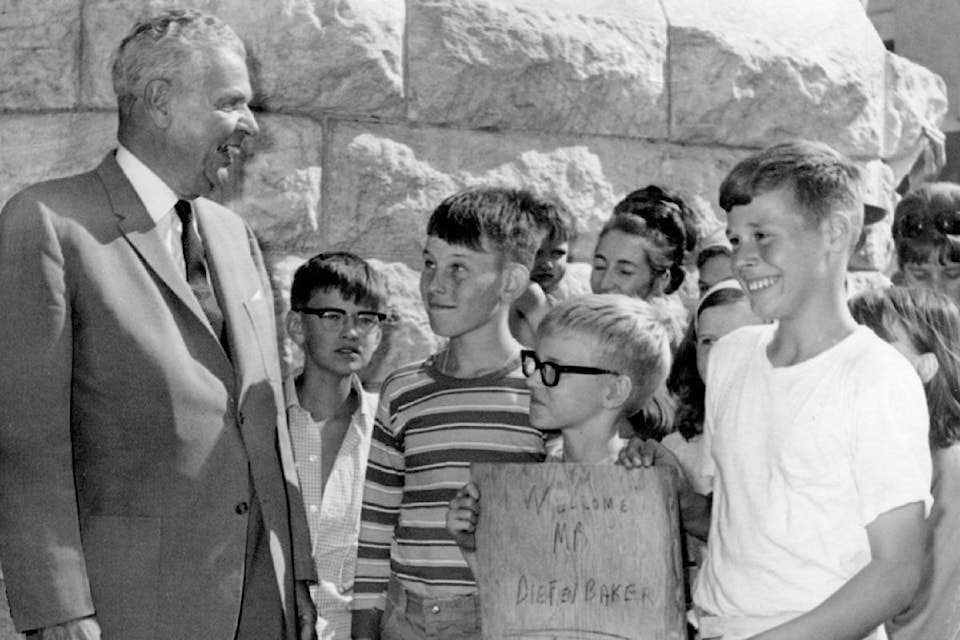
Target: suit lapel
[(225, 243), (141, 232)]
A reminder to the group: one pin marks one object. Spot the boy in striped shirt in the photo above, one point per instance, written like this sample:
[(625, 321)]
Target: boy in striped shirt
[(466, 403)]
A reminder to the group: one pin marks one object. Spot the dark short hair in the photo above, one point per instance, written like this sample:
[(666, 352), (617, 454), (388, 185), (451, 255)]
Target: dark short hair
[(664, 218), (926, 224), (556, 218), (346, 273), (820, 180), (495, 219)]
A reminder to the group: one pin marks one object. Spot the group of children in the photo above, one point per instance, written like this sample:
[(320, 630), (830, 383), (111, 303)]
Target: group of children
[(803, 441)]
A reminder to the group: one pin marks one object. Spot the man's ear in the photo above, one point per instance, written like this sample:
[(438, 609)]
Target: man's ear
[(156, 100), (514, 278), (927, 366), (295, 327), (617, 392)]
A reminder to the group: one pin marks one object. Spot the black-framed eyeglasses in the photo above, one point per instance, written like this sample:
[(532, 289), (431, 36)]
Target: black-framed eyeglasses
[(944, 222), (550, 371), (333, 319)]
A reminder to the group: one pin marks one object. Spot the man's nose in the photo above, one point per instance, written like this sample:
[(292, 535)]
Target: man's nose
[(248, 123)]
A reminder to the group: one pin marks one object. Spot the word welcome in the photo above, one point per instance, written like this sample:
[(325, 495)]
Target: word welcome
[(561, 502)]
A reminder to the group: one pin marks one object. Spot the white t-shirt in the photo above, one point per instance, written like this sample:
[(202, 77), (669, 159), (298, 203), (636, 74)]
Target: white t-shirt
[(804, 457)]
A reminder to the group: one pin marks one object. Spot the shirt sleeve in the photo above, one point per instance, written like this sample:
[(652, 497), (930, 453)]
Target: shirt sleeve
[(382, 495), (890, 446)]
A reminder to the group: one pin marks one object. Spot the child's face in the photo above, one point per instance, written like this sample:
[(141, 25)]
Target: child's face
[(620, 266), (576, 397), (715, 322), (550, 263), (460, 288), (716, 269), (944, 278), (780, 261), (338, 352)]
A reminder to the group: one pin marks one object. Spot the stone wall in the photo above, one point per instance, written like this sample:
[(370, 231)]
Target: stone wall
[(372, 111)]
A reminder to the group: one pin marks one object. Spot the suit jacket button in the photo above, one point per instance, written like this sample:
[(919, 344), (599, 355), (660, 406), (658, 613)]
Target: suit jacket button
[(241, 508)]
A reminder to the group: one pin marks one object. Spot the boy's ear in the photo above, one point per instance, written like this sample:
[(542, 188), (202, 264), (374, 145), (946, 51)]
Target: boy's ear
[(927, 366), (514, 278), (839, 230), (618, 392), (295, 327)]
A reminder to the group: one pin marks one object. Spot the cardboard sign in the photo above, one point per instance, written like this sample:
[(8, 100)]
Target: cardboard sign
[(579, 552)]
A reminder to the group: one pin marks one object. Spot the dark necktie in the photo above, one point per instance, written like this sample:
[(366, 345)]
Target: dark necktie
[(197, 268)]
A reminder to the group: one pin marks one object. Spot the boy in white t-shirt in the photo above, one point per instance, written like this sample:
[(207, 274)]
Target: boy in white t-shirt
[(816, 429)]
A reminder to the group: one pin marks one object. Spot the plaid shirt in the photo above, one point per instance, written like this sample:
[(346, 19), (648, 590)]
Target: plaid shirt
[(334, 514)]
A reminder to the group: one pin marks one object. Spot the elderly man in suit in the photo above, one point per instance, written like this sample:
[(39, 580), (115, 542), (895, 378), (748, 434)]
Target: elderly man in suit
[(147, 489)]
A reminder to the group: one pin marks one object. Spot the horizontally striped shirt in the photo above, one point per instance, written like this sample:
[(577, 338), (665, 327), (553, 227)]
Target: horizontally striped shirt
[(428, 429)]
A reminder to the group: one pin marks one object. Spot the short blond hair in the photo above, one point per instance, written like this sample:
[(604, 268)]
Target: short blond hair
[(632, 337)]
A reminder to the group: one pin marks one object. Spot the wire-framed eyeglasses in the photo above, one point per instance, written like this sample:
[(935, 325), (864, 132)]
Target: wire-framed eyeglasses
[(550, 371), (333, 319)]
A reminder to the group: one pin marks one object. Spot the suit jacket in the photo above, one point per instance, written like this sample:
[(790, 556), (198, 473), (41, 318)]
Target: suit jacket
[(128, 438)]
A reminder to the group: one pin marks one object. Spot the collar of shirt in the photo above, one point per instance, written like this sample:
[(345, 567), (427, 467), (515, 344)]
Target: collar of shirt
[(158, 199), (366, 408), (156, 196)]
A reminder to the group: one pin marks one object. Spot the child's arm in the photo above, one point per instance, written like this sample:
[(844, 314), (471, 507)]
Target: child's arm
[(694, 508), (528, 310), (875, 594), (462, 515)]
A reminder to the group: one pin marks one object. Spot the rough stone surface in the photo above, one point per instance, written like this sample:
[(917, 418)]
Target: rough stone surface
[(532, 66), (745, 74), (916, 97), (373, 111), (305, 56), (38, 45), (382, 182), (41, 147), (278, 188)]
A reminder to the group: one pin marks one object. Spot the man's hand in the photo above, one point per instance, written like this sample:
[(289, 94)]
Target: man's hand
[(79, 629), (462, 516), (306, 612)]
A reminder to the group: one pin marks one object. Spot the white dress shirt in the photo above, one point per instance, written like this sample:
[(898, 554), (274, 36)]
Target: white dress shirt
[(159, 199)]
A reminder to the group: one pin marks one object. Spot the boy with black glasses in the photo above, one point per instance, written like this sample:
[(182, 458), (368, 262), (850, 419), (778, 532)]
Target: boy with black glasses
[(599, 358), (337, 310)]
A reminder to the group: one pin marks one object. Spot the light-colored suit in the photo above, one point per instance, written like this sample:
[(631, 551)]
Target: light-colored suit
[(128, 437)]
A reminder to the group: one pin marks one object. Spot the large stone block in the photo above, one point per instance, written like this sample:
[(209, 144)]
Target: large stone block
[(304, 56), (42, 147), (916, 98), (538, 66), (381, 182), (324, 56), (38, 45), (751, 73), (276, 184)]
